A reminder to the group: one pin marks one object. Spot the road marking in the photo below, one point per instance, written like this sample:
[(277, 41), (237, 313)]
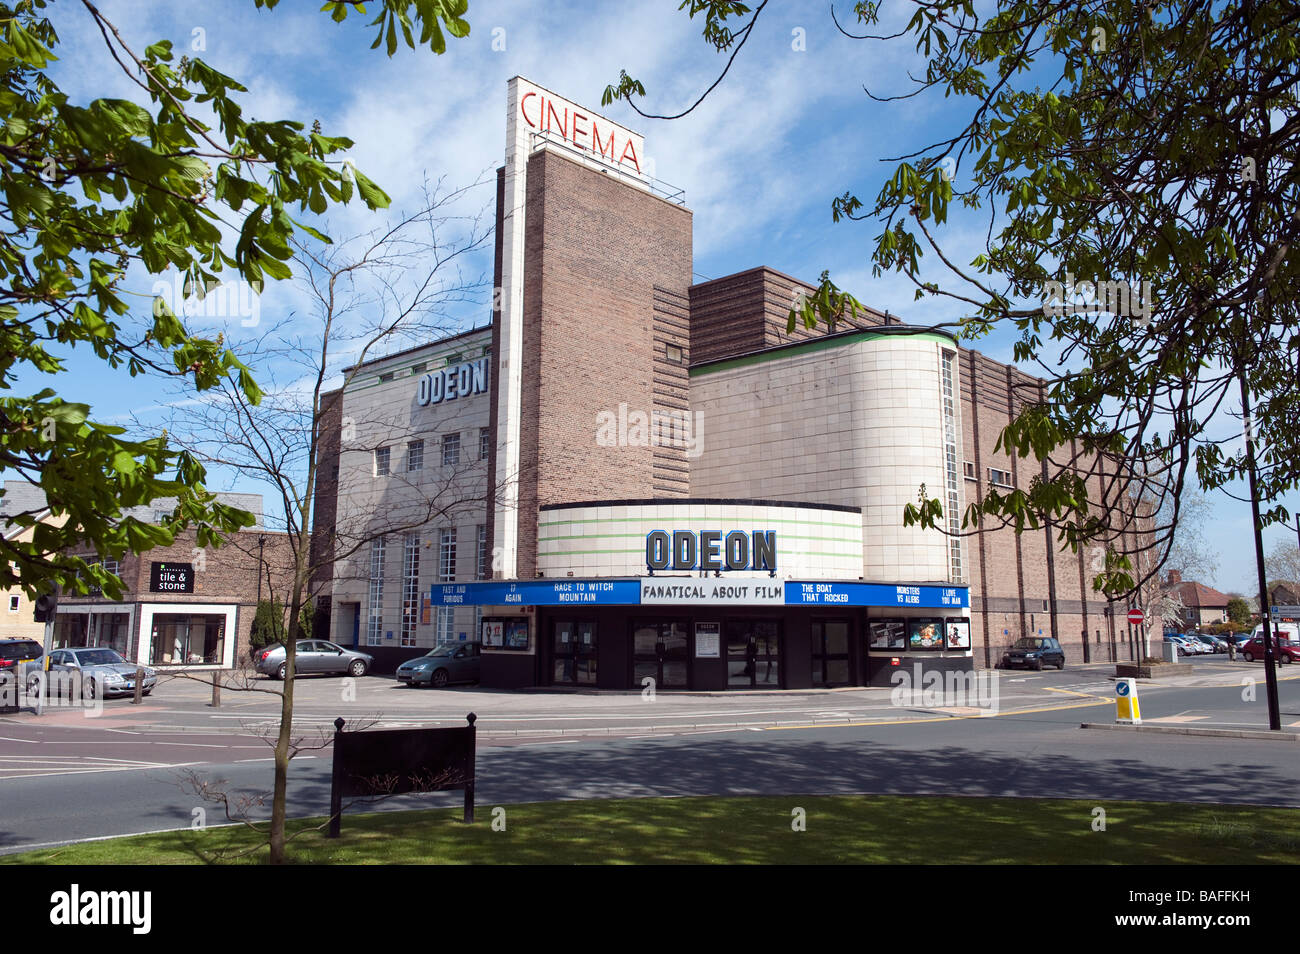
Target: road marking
[(4, 738), (1016, 712)]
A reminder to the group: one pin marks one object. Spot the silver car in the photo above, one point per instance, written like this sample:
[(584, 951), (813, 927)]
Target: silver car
[(93, 672), (312, 656), (450, 662)]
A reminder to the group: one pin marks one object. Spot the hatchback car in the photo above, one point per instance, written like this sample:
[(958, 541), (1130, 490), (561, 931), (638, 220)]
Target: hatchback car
[(1034, 652), (313, 656), (18, 658), (1284, 650), (94, 672), (450, 662)]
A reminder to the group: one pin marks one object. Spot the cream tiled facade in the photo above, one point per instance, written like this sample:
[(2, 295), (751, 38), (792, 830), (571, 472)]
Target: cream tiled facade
[(854, 420), (390, 544), (812, 542)]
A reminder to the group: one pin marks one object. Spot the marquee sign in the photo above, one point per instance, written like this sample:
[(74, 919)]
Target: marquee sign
[(460, 380)]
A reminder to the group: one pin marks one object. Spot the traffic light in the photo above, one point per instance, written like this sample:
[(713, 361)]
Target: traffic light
[(45, 606)]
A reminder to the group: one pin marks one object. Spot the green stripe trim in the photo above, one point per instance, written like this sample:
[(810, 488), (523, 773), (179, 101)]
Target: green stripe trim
[(806, 523), (810, 347)]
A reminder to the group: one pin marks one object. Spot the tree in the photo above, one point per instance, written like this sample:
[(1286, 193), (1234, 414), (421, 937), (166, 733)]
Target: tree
[(96, 195), (1133, 165), (1283, 563), (395, 285), (1238, 611)]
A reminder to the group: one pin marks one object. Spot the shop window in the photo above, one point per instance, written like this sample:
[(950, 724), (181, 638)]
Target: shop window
[(573, 652), (188, 639), (381, 461), (753, 654), (450, 450), (71, 629), (414, 456)]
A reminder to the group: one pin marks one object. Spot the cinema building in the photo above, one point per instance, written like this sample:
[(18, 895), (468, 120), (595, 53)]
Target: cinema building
[(627, 475)]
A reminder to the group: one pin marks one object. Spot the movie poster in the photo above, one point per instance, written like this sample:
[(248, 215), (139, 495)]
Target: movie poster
[(957, 633), (494, 633), (887, 633), (925, 635)]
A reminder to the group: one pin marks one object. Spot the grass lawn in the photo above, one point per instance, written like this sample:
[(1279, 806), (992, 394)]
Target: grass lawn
[(850, 829)]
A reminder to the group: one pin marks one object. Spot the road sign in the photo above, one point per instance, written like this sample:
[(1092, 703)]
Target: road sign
[(1126, 701), (1135, 617)]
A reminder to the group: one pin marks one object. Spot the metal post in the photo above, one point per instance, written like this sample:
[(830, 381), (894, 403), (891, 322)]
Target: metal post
[(216, 688), (336, 790), (1270, 673), (469, 784), (139, 687)]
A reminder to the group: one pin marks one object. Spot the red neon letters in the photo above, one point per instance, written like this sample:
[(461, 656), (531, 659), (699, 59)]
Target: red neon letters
[(576, 128)]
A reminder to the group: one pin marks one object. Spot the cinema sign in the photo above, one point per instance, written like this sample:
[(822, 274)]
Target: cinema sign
[(710, 550), (543, 113), (460, 380)]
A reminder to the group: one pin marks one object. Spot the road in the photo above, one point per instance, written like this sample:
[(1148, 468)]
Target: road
[(66, 777)]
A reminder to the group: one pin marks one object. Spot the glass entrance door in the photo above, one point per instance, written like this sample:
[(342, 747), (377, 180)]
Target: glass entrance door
[(661, 652), (753, 654), (830, 652), (573, 652)]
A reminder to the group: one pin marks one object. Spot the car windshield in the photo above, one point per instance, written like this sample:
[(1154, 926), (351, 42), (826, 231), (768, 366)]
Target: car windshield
[(99, 657), (24, 650), (446, 649), (1028, 643)]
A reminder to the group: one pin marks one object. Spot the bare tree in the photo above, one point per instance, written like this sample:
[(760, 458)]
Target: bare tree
[(364, 297)]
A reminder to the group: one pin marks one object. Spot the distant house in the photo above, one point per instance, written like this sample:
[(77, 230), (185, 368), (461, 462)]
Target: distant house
[(21, 498), (1202, 605), (1284, 594)]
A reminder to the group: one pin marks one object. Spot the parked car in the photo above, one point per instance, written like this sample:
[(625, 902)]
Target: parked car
[(313, 656), (19, 657), (1284, 650), (1184, 647), (447, 663), (1034, 652), (94, 671), (1216, 644)]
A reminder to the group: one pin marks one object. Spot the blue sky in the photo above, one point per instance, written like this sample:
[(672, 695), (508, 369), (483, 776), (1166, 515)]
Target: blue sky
[(760, 161)]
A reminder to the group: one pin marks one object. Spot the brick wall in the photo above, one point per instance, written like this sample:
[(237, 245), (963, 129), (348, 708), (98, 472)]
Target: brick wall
[(607, 267)]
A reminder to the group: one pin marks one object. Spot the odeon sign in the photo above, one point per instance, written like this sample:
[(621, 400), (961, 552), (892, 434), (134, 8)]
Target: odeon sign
[(450, 383), (710, 550)]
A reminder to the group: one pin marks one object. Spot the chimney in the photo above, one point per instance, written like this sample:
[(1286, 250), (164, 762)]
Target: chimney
[(1175, 577)]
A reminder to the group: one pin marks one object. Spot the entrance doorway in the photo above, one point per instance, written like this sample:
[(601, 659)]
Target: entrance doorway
[(753, 654), (573, 652), (660, 651), (830, 652)]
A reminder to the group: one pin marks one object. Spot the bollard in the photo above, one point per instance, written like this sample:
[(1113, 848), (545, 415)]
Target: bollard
[(139, 686), (216, 688)]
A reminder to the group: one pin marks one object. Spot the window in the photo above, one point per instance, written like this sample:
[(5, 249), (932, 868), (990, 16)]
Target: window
[(450, 450), (161, 516), (183, 639), (952, 488), (375, 596), (480, 562), (969, 469), (446, 624), (414, 456), (447, 556), (13, 604), (673, 353), (1001, 478), (410, 588), (381, 461), (484, 442), (421, 367), (385, 378)]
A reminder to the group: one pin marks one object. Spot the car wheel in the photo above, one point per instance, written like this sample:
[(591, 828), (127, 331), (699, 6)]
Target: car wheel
[(1248, 657), (357, 669), (1038, 665), (33, 686), (438, 679), (1060, 667), (283, 672), (1284, 658), (89, 689)]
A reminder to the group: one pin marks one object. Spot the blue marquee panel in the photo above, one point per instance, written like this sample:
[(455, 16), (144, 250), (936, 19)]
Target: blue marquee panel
[(628, 593)]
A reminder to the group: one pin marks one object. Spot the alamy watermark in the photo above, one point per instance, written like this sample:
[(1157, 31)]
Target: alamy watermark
[(933, 689), (235, 299), (658, 428), (1119, 298)]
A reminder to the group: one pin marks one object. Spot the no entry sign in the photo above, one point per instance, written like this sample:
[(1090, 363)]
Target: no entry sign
[(1135, 617)]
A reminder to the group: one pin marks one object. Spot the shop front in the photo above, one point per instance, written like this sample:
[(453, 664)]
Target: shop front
[(618, 634)]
